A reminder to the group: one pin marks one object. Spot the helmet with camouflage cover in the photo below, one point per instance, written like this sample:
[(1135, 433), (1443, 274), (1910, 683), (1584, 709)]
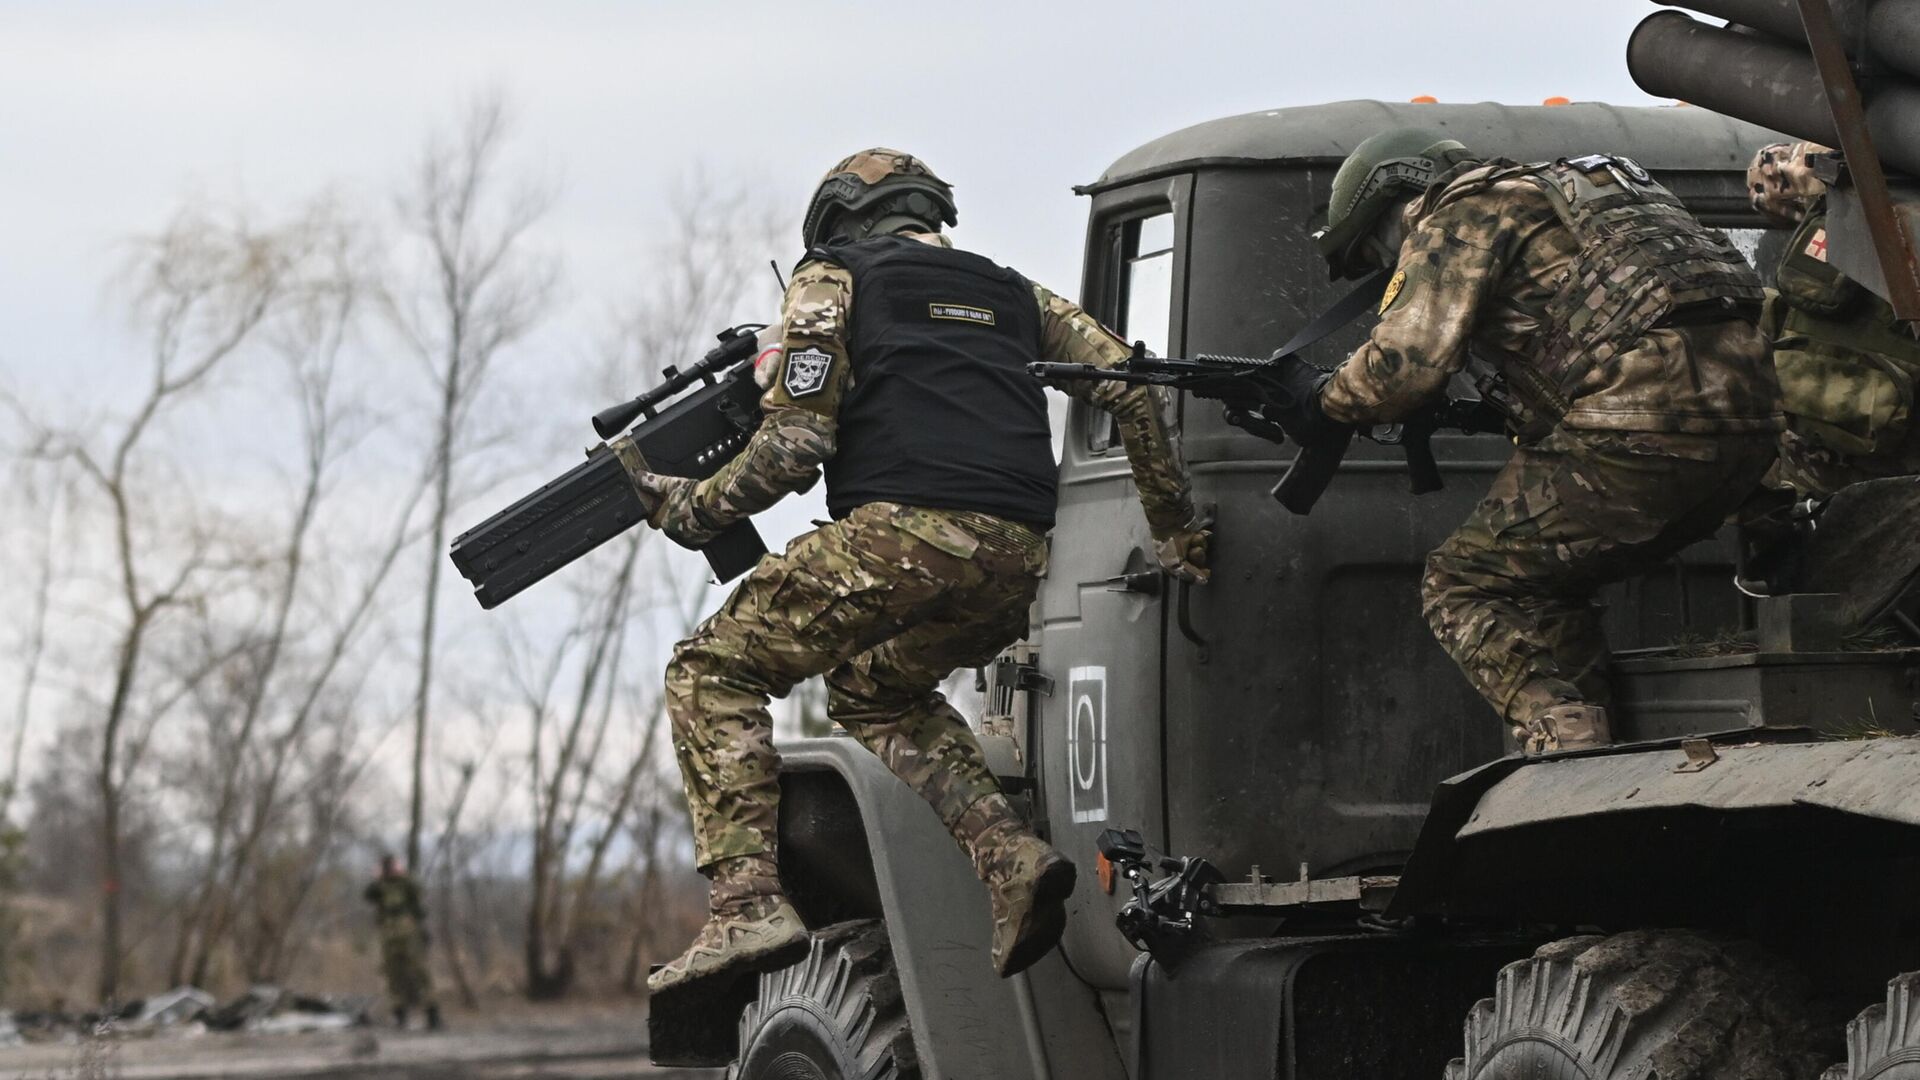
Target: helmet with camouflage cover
[(1781, 183), (876, 192), (1383, 170)]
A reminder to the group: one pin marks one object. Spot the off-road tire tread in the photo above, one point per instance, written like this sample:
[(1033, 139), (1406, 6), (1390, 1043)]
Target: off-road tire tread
[(1883, 1043), (1686, 1006), (849, 971)]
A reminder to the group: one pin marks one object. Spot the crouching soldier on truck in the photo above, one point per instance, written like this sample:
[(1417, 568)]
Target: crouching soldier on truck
[(1847, 367), (1620, 338), (904, 374)]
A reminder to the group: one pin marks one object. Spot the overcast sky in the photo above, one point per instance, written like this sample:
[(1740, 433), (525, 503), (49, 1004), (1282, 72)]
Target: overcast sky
[(110, 113)]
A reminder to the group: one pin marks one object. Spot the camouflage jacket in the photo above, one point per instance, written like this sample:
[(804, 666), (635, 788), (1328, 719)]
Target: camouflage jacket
[(797, 436), (395, 898), (1481, 264)]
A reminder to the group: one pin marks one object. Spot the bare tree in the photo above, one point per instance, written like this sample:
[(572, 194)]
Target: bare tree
[(480, 289), (258, 730), (707, 273), (201, 289), (42, 503)]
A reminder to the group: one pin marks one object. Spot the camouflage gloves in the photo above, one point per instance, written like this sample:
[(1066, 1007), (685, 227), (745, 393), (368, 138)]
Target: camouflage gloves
[(1183, 552), (667, 500), (671, 508), (1297, 406)]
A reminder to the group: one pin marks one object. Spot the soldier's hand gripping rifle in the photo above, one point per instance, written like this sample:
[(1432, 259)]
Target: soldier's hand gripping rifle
[(680, 433), (1250, 388)]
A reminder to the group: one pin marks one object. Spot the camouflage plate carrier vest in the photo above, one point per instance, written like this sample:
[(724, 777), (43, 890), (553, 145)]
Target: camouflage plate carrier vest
[(1644, 260), (1847, 368)]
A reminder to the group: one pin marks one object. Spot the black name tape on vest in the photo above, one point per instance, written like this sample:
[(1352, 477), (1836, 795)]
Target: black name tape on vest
[(961, 313)]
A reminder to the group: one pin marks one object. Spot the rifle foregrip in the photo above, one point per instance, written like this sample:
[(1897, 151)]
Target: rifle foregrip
[(1423, 473), (1312, 470)]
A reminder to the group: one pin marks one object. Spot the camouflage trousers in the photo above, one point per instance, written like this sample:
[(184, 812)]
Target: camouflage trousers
[(1813, 470), (403, 959), (885, 603), (1511, 595)]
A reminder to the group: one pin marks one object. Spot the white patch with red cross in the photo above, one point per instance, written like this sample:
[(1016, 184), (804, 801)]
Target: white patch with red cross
[(1817, 245)]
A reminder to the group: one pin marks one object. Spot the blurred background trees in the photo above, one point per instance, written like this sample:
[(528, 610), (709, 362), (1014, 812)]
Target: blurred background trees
[(242, 670)]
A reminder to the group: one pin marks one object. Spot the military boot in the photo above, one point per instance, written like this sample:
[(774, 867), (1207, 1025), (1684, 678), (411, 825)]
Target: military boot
[(752, 927), (1027, 880), (433, 1018), (1566, 727), (400, 1017)]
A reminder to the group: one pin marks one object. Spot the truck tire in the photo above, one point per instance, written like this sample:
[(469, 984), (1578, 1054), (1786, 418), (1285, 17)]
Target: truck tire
[(836, 1015), (1883, 1043), (1645, 1005)]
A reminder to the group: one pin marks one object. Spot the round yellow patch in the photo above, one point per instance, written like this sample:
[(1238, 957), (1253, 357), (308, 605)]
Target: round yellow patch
[(1394, 283)]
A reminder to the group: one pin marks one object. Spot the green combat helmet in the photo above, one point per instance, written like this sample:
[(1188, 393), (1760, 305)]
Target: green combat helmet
[(1381, 171), (876, 192)]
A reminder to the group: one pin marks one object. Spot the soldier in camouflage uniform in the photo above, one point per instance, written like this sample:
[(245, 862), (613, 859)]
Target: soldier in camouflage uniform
[(1636, 387), (902, 372), (401, 919), (1847, 367)]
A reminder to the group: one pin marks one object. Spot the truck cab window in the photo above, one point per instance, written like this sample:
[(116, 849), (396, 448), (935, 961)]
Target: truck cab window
[(1144, 307)]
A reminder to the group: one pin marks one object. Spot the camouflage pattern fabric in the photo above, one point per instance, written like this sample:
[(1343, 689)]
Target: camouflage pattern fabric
[(885, 603), (1510, 595), (1143, 415), (1848, 370), (1781, 183), (798, 435), (1026, 879), (878, 163), (1816, 471), (400, 918), (1487, 266)]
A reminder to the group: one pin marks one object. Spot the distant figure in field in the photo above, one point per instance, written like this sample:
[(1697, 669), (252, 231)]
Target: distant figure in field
[(401, 919)]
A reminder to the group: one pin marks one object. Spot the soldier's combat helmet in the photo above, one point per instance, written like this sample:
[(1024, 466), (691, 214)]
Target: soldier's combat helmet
[(1383, 170), (1781, 183), (876, 192)]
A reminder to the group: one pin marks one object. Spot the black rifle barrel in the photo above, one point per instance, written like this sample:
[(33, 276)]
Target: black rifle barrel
[(736, 344)]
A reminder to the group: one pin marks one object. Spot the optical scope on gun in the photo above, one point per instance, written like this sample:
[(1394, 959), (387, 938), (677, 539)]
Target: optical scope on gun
[(677, 431)]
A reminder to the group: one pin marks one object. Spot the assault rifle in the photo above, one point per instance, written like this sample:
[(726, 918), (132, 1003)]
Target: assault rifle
[(679, 434), (1248, 388)]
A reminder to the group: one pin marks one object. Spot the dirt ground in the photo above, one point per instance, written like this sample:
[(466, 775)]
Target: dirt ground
[(521, 1043)]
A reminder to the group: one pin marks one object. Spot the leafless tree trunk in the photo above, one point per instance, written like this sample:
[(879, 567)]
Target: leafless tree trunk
[(443, 868), (202, 288), (42, 505), (482, 290), (706, 274), (310, 342)]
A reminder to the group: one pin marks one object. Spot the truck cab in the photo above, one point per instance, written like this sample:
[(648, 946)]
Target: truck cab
[(1348, 855)]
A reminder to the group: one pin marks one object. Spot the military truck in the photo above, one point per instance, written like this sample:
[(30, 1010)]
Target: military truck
[(1308, 850)]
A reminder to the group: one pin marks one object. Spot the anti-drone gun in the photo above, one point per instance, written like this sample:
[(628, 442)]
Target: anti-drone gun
[(679, 433), (1248, 388)]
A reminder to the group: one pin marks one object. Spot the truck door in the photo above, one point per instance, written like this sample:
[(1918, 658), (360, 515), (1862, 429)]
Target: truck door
[(1104, 606)]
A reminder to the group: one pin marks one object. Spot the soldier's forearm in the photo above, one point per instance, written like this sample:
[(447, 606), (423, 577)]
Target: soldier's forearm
[(1143, 415), (1357, 395), (784, 456)]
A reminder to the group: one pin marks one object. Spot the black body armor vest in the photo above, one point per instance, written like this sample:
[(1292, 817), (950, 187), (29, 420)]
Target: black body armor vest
[(941, 412)]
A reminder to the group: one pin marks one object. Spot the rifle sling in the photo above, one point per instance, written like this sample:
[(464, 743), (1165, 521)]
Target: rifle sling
[(1363, 298)]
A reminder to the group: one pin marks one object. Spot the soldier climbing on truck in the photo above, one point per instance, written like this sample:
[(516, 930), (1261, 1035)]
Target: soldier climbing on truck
[(1643, 403), (1309, 855), (903, 376)]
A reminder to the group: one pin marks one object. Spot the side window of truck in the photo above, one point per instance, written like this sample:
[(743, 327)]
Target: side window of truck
[(1143, 292)]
